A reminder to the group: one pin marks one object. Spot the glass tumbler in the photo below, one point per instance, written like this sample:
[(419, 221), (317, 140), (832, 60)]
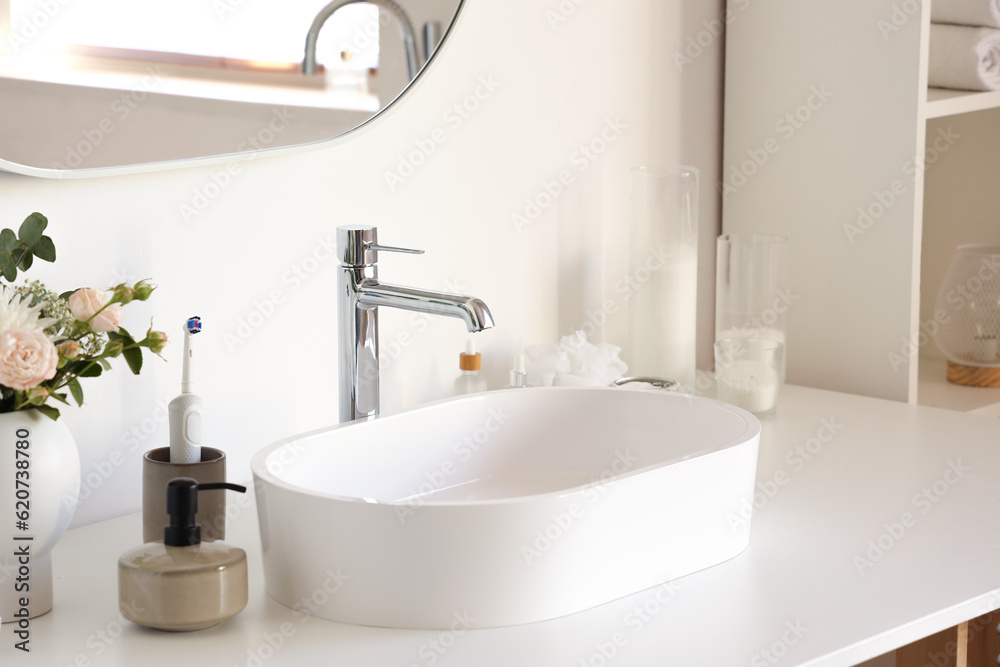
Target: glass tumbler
[(751, 307)]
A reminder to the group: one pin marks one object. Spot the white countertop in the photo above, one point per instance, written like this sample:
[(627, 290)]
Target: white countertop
[(813, 588)]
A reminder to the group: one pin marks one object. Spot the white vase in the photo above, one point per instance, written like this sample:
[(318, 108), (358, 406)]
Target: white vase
[(45, 500)]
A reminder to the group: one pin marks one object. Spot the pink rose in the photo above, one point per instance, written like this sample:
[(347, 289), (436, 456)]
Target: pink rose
[(27, 357), (85, 302)]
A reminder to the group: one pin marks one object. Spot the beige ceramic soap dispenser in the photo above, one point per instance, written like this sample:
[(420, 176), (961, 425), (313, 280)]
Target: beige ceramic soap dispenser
[(182, 583)]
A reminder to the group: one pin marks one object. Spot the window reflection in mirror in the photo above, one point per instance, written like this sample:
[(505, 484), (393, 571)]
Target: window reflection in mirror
[(189, 78)]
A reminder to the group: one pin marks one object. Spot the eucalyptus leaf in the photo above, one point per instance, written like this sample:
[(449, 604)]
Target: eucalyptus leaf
[(45, 249), (32, 228), (10, 273), (24, 262), (8, 240)]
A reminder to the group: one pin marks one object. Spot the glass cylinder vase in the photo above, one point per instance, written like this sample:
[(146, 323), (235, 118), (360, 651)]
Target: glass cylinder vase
[(662, 284)]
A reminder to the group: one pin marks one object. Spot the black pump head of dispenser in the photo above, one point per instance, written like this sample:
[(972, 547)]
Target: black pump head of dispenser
[(182, 506)]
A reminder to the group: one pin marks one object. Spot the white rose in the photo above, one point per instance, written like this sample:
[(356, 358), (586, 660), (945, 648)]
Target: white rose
[(27, 357)]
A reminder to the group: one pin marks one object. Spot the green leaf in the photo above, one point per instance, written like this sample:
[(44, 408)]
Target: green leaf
[(76, 390), (133, 355), (10, 273), (32, 228), (126, 336), (90, 371), (45, 249), (48, 411), (64, 295), (60, 397), (8, 240), (105, 364), (24, 263)]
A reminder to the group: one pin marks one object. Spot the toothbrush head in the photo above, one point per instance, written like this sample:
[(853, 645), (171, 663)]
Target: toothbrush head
[(193, 325)]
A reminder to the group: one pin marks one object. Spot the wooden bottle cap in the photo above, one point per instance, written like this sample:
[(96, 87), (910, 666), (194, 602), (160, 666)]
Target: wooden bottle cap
[(470, 362)]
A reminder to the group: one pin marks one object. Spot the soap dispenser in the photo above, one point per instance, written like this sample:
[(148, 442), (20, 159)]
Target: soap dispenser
[(182, 583), (469, 363)]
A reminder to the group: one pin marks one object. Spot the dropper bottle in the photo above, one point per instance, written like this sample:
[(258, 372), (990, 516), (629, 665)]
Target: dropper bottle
[(469, 362), (518, 375)]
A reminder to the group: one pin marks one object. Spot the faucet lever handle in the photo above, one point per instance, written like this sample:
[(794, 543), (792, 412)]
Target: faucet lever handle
[(389, 248)]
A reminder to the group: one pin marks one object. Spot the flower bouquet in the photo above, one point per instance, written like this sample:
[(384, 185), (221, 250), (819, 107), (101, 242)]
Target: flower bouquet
[(48, 341)]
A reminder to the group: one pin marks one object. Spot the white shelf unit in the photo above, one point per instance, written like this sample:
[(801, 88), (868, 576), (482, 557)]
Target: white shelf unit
[(874, 177)]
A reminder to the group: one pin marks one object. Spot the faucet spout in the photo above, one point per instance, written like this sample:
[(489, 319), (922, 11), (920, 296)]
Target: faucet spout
[(405, 26), (360, 294), (469, 309)]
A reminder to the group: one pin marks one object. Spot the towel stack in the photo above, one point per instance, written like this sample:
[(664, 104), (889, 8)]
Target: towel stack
[(965, 44)]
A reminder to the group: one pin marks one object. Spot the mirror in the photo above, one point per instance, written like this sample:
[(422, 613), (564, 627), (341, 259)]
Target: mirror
[(100, 87)]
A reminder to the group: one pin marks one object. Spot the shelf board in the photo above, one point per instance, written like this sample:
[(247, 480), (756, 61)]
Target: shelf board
[(935, 391), (943, 102)]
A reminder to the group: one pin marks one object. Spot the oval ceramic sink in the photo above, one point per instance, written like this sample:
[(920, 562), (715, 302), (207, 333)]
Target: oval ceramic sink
[(505, 507)]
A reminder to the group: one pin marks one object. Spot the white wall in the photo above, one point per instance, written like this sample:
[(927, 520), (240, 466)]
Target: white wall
[(558, 86)]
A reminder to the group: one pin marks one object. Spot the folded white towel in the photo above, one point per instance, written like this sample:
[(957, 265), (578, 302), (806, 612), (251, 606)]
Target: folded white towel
[(964, 57), (966, 12)]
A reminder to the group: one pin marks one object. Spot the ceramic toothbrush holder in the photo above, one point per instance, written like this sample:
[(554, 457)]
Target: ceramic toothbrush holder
[(157, 470)]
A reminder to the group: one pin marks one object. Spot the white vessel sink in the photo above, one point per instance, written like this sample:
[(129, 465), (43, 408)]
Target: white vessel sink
[(505, 507)]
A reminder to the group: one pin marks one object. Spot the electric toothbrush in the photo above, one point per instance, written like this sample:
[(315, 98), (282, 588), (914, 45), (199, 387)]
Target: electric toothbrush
[(185, 410)]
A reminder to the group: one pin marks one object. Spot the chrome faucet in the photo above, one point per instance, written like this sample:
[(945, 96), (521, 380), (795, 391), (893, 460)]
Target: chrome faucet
[(409, 37), (359, 296)]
